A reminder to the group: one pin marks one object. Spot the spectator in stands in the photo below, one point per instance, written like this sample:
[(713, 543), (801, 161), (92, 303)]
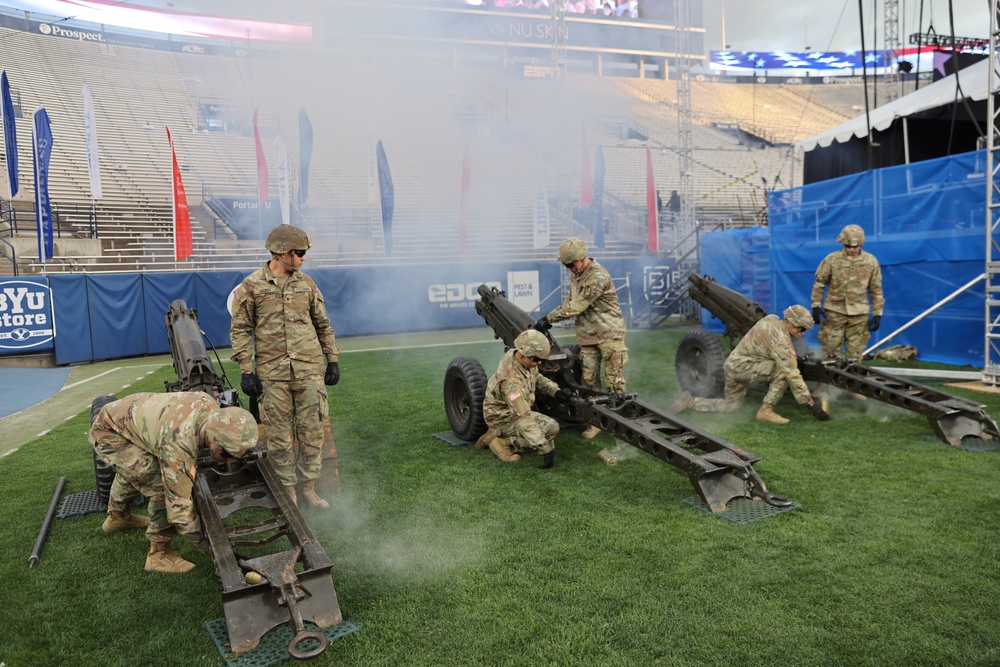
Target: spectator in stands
[(659, 204), (153, 442), (674, 205), (850, 277), (280, 322), (765, 354), (600, 327), (514, 428)]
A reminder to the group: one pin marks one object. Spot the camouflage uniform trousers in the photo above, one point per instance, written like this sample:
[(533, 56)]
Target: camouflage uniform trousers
[(295, 408), (836, 329), (614, 355), (533, 432), (136, 471), (739, 382)]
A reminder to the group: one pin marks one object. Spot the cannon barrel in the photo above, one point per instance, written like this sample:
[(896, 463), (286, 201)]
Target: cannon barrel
[(507, 320), (736, 311), (195, 371)]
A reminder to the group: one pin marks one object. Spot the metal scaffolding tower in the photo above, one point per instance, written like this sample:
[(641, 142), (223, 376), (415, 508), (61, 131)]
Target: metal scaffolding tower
[(890, 18), (682, 65), (991, 368)]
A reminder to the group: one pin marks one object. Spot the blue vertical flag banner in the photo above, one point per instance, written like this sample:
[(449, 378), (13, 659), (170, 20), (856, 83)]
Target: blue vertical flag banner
[(41, 150), (9, 135), (599, 198), (305, 155), (387, 195), (90, 137)]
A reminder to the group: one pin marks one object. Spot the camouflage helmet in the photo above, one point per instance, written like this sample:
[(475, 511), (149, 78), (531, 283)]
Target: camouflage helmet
[(285, 238), (799, 316), (532, 343), (852, 235), (571, 250), (233, 429)]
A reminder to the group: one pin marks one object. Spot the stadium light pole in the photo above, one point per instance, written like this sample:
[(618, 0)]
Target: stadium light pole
[(991, 347)]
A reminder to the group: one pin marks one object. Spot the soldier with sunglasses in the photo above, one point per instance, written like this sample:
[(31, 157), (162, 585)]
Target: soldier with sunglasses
[(280, 334)]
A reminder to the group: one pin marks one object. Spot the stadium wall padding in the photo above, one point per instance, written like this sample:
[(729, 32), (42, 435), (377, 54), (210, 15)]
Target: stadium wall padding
[(110, 316)]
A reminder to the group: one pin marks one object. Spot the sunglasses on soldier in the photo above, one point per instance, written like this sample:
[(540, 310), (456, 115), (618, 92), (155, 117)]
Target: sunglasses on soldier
[(298, 253)]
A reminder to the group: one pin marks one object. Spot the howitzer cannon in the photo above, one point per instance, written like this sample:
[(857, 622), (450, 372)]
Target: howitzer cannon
[(265, 591), (718, 470), (700, 356)]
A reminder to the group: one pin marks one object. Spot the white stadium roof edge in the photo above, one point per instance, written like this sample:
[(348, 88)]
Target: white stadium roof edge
[(939, 93)]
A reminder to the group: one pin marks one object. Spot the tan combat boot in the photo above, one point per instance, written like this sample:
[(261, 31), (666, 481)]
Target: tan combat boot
[(590, 433), (486, 438), (162, 558), (501, 447), (767, 414), (684, 402), (309, 497), (291, 491), (117, 521)]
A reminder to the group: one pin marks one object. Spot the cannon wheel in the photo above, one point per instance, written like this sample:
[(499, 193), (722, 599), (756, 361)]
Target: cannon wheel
[(104, 473), (464, 390), (699, 361)]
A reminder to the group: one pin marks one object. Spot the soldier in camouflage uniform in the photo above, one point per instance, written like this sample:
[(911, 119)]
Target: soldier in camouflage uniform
[(764, 354), (153, 441), (850, 277), (280, 321), (600, 327), (510, 393)]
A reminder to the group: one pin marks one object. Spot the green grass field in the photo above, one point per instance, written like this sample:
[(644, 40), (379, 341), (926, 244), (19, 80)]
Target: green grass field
[(446, 556)]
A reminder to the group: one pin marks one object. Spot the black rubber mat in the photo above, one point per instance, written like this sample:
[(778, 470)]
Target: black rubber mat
[(451, 439), (742, 510), (273, 646), (78, 504)]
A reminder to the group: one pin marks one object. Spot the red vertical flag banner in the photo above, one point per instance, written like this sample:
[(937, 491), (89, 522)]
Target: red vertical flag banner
[(586, 181), (463, 207), (654, 227), (183, 245), (262, 175)]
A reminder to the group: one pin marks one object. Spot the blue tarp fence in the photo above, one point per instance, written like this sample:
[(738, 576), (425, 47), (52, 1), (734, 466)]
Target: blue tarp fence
[(111, 316), (925, 222)]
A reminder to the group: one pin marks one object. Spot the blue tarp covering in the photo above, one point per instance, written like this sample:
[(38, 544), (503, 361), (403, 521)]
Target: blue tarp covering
[(925, 222)]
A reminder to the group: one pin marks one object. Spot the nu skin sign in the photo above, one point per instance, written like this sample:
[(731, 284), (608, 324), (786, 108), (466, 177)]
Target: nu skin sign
[(25, 316)]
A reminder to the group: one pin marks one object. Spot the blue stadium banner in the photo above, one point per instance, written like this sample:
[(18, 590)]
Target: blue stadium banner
[(41, 150), (387, 194), (9, 135), (305, 155), (25, 315)]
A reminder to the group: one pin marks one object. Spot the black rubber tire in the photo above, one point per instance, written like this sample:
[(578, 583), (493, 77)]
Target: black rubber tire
[(464, 391), (699, 361), (103, 473)]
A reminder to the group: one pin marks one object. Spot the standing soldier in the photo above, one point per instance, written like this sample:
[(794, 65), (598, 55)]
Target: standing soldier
[(600, 327), (850, 277), (153, 441), (764, 354), (280, 322), (510, 393)]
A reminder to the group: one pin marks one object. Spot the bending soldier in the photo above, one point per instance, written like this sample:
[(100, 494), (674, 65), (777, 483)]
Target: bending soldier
[(600, 327), (764, 354), (284, 308), (153, 441), (514, 428)]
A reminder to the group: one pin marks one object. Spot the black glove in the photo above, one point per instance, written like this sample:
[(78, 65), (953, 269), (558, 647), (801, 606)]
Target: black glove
[(819, 413), (542, 325), (875, 323), (332, 375), (564, 394), (251, 386), (817, 314), (548, 461)]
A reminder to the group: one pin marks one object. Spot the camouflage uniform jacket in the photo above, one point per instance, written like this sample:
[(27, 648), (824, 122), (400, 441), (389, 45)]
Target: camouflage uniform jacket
[(848, 282), (510, 393), (168, 426), (767, 343), (593, 301), (290, 325)]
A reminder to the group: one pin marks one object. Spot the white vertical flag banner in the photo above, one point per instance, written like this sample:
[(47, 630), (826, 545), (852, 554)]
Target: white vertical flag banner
[(90, 129), (540, 211), (281, 167)]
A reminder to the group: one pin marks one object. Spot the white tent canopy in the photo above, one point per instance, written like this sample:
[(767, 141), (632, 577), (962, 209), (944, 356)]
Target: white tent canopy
[(975, 86)]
